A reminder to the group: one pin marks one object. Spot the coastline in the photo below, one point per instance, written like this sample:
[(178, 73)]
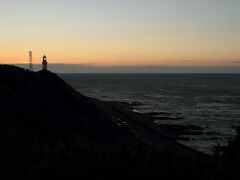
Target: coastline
[(172, 132), (141, 126), (197, 109)]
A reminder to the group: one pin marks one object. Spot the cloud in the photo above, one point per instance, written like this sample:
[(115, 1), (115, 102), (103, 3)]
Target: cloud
[(234, 62)]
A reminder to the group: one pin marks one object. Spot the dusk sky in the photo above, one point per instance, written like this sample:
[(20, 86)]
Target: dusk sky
[(175, 33)]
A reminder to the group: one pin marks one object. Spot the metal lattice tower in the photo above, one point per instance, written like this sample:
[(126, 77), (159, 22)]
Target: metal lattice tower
[(30, 61)]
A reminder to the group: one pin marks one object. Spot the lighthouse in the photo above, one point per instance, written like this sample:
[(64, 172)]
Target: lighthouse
[(44, 63)]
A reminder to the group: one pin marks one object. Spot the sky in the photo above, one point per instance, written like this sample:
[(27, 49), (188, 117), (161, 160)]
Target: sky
[(113, 33)]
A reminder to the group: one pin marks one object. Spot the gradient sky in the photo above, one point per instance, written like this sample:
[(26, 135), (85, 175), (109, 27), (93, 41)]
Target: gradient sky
[(122, 33)]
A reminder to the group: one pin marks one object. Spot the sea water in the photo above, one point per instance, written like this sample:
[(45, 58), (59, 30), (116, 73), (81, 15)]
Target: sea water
[(211, 101)]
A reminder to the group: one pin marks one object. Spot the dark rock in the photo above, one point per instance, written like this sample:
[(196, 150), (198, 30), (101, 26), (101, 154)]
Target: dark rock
[(136, 103), (176, 131), (158, 113), (167, 118)]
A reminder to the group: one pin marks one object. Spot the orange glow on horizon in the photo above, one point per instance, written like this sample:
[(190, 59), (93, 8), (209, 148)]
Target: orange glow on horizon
[(122, 33)]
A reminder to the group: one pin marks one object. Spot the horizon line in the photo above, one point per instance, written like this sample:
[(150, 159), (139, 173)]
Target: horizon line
[(134, 66)]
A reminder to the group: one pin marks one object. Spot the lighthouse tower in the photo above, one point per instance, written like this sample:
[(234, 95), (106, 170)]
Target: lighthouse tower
[(44, 63)]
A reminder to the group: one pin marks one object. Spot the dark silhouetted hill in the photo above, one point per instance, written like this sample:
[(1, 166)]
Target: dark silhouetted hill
[(47, 129)]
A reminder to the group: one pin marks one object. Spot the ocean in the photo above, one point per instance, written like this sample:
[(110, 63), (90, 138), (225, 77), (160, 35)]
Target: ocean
[(210, 101)]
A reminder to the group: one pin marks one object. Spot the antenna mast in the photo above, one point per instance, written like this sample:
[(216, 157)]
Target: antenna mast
[(30, 61)]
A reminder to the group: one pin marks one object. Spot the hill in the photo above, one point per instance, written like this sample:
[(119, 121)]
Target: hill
[(47, 129)]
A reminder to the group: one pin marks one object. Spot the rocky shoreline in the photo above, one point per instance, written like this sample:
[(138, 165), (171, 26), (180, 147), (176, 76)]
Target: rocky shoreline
[(178, 132)]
